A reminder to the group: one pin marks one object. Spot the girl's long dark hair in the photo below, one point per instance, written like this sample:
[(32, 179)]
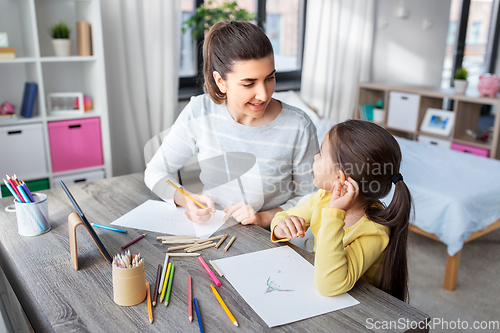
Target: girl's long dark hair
[(371, 156)]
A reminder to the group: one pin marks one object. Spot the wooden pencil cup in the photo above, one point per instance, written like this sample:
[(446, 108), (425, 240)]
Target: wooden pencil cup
[(129, 285)]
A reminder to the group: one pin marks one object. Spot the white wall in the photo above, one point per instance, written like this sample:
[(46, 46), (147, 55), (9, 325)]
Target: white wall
[(403, 51)]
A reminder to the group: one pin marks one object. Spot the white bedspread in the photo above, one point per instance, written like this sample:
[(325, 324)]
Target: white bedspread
[(454, 193)]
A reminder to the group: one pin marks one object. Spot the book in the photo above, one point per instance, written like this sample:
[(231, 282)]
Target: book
[(7, 117), (84, 38), (29, 99), (7, 50), (7, 56)]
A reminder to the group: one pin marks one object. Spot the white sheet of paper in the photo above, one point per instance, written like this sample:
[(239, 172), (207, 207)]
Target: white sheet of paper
[(158, 216), (279, 285)]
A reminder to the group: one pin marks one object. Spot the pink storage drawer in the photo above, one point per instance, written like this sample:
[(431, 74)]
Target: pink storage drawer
[(470, 149), (75, 144)]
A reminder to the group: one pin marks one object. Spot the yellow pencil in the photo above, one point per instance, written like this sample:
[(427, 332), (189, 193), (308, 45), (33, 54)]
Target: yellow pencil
[(224, 306), (150, 310), (187, 195), (165, 283)]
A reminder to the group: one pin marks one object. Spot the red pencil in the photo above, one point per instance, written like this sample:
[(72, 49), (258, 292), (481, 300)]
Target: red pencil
[(156, 284), (14, 186), (190, 299), (133, 241)]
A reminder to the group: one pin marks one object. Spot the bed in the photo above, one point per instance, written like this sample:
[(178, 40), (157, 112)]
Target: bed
[(456, 195)]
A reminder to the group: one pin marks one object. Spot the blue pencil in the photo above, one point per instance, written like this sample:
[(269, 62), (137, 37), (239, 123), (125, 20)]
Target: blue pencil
[(12, 190), (195, 301), (108, 228)]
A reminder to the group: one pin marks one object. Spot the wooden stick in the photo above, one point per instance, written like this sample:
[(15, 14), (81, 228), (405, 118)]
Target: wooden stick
[(180, 247), (209, 239), (179, 241), (229, 244), (216, 268), (221, 241), (184, 254), (201, 247), (196, 245)]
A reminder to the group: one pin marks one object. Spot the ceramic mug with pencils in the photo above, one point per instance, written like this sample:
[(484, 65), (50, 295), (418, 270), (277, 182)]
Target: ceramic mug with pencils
[(129, 285), (33, 217)]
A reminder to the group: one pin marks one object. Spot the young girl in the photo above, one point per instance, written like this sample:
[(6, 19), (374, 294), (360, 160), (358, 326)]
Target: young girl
[(355, 235), (256, 153)]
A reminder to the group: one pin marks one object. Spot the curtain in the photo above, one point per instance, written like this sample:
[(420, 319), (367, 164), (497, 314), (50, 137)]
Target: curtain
[(142, 56), (337, 54)]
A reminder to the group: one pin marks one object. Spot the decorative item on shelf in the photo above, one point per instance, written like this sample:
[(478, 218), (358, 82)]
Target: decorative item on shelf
[(379, 112), (489, 85), (60, 39), (87, 103), (64, 103), (460, 81), (29, 99), (4, 39), (206, 16), (481, 135), (438, 121), (84, 39), (6, 108), (7, 53)]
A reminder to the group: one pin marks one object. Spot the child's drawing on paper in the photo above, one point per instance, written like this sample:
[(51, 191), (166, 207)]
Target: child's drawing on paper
[(273, 286)]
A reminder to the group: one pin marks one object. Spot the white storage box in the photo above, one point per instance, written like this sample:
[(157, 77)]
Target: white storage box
[(434, 141), (23, 151), (82, 177), (403, 111)]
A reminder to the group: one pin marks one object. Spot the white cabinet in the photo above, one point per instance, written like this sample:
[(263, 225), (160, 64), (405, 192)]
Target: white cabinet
[(403, 111), (26, 22)]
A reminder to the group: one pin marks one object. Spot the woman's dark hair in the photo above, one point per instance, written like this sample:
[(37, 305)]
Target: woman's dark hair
[(227, 42), (371, 156)]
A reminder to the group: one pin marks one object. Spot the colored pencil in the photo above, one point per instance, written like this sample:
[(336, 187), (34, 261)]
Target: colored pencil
[(157, 283), (195, 301), (175, 237), (150, 309), (184, 254), (187, 195), (163, 274), (212, 275), (180, 247), (170, 282), (108, 227), (216, 268), (14, 194), (221, 241), (165, 283), (196, 245), (133, 241), (201, 247), (27, 190), (14, 186), (229, 244), (190, 298), (209, 239), (180, 241), (41, 226), (224, 306)]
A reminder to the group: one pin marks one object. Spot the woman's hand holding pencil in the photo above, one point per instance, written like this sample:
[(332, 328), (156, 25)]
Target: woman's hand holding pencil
[(199, 208)]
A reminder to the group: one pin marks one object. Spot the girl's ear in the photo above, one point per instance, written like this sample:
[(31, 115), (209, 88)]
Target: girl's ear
[(341, 177), (220, 82)]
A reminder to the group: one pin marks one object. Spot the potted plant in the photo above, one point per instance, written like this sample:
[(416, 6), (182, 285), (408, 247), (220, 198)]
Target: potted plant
[(460, 81), (205, 17), (60, 39)]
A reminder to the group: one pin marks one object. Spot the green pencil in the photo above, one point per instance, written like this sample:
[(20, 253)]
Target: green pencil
[(171, 277)]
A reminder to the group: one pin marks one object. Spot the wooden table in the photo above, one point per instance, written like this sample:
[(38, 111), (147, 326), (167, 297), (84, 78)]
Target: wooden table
[(56, 298)]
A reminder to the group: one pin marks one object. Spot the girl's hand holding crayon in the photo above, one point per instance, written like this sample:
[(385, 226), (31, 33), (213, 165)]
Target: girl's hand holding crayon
[(196, 213), (290, 227), (344, 196)]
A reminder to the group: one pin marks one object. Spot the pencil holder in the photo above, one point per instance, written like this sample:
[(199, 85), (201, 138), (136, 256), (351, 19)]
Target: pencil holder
[(129, 285), (33, 217)]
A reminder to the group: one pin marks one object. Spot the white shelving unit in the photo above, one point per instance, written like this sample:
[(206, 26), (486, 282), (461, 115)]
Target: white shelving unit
[(26, 22)]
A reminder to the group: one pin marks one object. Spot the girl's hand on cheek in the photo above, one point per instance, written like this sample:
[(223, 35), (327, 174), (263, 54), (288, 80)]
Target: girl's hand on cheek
[(344, 197)]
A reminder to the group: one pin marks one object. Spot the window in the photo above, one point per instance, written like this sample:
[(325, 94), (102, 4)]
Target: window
[(283, 22), (471, 40)]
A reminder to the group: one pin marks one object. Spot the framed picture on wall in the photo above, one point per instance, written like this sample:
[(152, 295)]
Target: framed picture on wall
[(437, 121), (65, 104)]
